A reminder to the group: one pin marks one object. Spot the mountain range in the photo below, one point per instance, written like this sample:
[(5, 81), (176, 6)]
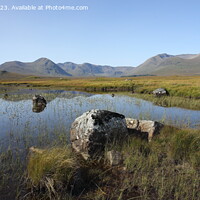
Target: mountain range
[(161, 64), (165, 64)]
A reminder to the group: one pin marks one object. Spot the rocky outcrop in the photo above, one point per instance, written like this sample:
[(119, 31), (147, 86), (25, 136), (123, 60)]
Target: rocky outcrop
[(143, 128), (160, 92), (91, 132)]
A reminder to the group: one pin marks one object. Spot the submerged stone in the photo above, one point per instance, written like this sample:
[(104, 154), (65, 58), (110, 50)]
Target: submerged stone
[(39, 100), (39, 103)]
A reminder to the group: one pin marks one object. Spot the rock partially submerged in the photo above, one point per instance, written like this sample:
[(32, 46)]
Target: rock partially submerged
[(94, 129), (39, 100), (38, 109), (143, 128), (39, 103), (160, 92)]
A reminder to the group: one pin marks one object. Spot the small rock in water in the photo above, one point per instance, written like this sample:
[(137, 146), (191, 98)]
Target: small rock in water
[(39, 100), (39, 103)]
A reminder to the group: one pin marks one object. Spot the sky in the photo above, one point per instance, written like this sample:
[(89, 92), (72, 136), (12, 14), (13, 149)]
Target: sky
[(109, 32)]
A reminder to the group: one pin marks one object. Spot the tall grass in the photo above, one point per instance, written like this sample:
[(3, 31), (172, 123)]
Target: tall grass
[(166, 168), (171, 101), (56, 160)]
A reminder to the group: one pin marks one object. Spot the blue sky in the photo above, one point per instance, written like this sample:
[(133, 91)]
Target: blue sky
[(110, 32)]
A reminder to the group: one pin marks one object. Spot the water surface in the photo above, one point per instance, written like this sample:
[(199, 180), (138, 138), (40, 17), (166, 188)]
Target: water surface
[(17, 118)]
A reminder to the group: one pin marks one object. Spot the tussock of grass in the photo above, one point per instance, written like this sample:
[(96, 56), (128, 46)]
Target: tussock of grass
[(49, 173), (58, 174), (55, 163), (51, 168)]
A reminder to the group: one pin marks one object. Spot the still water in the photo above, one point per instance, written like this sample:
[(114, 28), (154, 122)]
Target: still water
[(17, 118)]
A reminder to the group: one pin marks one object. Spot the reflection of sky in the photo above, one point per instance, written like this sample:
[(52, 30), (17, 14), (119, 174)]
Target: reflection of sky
[(18, 118)]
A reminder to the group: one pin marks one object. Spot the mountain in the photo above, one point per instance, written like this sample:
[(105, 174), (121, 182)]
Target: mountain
[(87, 69), (160, 65), (164, 64), (41, 67)]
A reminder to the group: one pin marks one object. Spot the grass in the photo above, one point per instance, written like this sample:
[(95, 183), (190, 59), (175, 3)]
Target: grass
[(57, 173), (56, 160), (183, 86), (171, 101), (11, 170), (184, 90), (166, 168)]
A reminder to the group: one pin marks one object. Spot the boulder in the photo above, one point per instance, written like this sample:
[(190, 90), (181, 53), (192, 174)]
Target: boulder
[(160, 92), (143, 128), (94, 129)]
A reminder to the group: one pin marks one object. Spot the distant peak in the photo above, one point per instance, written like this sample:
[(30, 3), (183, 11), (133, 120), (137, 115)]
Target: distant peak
[(42, 60), (86, 63), (164, 55)]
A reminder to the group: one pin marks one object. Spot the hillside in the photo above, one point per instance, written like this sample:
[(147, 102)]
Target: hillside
[(87, 69), (164, 64), (4, 75), (41, 67)]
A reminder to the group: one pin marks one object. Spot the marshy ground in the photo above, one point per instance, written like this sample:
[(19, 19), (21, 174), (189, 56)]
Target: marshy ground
[(166, 168), (185, 87)]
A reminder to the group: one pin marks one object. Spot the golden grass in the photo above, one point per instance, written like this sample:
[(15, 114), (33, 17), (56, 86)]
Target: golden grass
[(56, 163), (183, 86)]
